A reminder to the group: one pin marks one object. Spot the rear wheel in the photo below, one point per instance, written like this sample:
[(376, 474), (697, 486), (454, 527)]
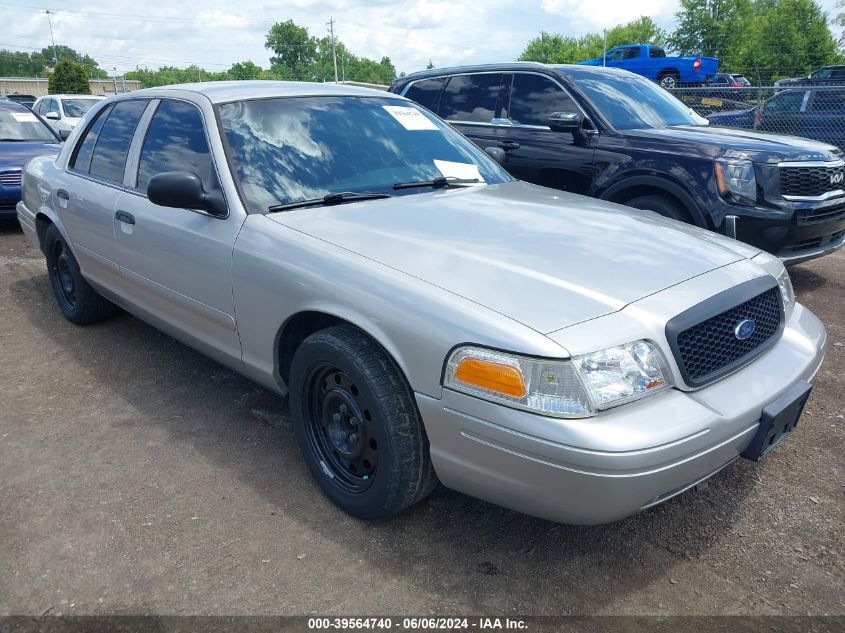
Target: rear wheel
[(670, 81), (664, 205), (357, 424), (77, 300)]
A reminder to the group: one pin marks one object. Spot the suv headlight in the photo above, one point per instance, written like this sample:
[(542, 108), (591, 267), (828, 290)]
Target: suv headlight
[(735, 180), (573, 388), (776, 269)]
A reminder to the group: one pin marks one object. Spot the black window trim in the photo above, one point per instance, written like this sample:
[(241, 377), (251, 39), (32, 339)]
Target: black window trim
[(133, 159)]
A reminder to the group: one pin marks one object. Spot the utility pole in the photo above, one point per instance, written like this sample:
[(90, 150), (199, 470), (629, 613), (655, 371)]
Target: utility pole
[(604, 54), (330, 24), (52, 39), (115, 80)]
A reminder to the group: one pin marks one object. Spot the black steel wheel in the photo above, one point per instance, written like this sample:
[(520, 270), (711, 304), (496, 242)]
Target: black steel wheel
[(77, 300), (357, 424)]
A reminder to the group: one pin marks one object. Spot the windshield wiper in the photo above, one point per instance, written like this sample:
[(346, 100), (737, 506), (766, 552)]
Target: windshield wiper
[(440, 182), (332, 198)]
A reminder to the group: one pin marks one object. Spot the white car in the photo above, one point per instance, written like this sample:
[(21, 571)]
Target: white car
[(63, 112)]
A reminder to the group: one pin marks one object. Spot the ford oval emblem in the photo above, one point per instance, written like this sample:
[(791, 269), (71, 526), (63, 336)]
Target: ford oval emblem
[(745, 329)]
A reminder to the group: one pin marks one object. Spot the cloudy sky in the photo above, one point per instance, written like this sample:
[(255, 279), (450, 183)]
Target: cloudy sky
[(215, 33)]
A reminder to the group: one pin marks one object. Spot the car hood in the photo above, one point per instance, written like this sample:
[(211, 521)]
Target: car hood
[(761, 147), (545, 258), (17, 155)]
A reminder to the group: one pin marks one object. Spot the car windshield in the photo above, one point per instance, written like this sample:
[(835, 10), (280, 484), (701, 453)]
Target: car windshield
[(631, 102), (76, 108), (285, 150), (23, 125)]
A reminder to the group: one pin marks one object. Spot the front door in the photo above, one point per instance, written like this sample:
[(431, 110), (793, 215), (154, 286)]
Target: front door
[(562, 160), (176, 264)]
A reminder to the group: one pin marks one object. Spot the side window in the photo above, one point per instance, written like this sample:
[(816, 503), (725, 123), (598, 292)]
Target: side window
[(426, 92), (176, 141), (112, 148), (656, 51), (827, 101), (617, 54), (471, 97), (632, 52), (39, 108), (534, 98), (787, 102), (81, 159)]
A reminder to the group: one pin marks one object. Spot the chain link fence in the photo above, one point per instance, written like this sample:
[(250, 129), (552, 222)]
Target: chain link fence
[(814, 112)]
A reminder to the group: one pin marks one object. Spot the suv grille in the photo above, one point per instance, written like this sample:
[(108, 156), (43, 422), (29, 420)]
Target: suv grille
[(709, 348), (10, 178), (804, 182)]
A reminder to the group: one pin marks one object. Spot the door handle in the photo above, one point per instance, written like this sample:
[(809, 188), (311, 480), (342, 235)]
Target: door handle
[(508, 146), (126, 218), (61, 193)]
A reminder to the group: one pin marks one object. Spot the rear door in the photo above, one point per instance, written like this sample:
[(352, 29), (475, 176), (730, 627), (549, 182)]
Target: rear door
[(471, 102), (824, 119), (534, 152), (85, 194), (176, 264)]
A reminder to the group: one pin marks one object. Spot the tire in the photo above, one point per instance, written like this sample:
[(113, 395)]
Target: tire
[(357, 424), (663, 205), (77, 300), (669, 81)]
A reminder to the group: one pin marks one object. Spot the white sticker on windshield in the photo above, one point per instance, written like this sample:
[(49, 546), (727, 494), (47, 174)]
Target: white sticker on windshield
[(410, 118), (464, 171), (24, 117)]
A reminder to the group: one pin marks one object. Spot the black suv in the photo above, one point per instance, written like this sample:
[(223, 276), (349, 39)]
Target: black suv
[(614, 135)]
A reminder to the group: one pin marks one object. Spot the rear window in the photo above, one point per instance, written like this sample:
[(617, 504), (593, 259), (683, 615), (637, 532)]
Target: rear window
[(471, 97), (426, 92), (112, 148)]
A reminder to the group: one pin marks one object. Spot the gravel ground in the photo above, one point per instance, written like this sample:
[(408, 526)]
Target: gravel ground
[(136, 476)]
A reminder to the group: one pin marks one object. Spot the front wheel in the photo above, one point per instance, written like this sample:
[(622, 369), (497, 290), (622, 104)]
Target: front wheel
[(664, 205), (357, 424)]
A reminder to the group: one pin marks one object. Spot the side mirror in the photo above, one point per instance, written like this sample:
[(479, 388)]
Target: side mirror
[(496, 153), (183, 190), (53, 116), (63, 134), (564, 121)]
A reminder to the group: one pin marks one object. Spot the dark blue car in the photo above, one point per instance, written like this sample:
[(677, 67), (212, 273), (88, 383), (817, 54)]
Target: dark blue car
[(23, 136), (817, 114)]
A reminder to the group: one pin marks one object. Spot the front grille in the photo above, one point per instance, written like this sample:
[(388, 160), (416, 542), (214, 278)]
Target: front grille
[(807, 182), (10, 178), (818, 216), (704, 338)]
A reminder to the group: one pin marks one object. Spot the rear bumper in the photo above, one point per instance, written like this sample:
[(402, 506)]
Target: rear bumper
[(605, 468)]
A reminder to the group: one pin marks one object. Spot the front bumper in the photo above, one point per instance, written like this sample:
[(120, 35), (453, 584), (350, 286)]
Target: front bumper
[(604, 468)]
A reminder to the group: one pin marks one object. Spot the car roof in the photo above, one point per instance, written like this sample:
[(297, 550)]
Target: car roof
[(72, 96), (226, 91), (562, 69)]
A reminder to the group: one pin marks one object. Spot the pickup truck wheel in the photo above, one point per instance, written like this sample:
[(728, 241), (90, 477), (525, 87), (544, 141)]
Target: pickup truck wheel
[(77, 300), (669, 81), (357, 424), (663, 205)]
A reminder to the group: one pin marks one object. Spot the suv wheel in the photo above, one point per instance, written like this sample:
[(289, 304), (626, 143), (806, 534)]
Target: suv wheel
[(77, 300), (663, 205), (357, 424)]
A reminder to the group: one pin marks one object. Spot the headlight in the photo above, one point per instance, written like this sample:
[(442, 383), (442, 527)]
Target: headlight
[(776, 269), (567, 388), (735, 180)]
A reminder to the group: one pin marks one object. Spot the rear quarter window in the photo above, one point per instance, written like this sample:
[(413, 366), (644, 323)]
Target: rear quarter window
[(112, 147), (426, 92), (81, 158)]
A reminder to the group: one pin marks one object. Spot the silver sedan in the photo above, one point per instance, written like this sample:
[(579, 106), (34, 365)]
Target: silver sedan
[(430, 318)]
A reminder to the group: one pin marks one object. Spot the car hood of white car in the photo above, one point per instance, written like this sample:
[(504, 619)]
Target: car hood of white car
[(545, 258)]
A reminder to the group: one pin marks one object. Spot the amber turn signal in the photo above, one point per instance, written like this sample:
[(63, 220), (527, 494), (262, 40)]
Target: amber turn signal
[(504, 379)]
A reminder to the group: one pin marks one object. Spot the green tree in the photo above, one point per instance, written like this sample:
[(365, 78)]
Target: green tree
[(713, 28), (36, 63), (294, 50), (643, 30), (245, 70), (430, 65), (69, 78)]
